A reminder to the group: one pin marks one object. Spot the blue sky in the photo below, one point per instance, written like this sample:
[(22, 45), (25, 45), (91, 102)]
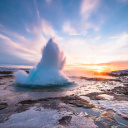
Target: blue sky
[(88, 31)]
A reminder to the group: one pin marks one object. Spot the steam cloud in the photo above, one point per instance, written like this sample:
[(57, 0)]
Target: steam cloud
[(48, 70)]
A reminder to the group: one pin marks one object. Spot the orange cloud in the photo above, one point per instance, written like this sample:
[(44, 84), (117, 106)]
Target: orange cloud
[(101, 67)]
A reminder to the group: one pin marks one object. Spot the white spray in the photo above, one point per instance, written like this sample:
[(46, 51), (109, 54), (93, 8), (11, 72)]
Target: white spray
[(48, 70)]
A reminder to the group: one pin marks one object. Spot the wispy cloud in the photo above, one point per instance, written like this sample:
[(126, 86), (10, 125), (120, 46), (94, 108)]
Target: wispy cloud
[(26, 48), (90, 8), (120, 39), (98, 37), (48, 1), (67, 28), (99, 51), (37, 10), (87, 7), (105, 67), (15, 45), (1, 25), (88, 25), (47, 28)]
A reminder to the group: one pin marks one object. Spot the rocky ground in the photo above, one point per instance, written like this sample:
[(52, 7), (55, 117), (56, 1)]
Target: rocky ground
[(88, 102)]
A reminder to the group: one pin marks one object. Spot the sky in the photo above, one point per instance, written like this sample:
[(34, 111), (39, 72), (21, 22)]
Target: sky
[(92, 33)]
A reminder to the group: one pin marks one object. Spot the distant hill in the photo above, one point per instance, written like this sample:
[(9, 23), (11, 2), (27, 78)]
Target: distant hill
[(119, 73)]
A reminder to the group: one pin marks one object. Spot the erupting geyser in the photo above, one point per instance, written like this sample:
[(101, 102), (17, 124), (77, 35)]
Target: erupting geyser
[(48, 70)]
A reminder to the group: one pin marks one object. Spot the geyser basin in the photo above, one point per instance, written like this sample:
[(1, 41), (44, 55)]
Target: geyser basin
[(48, 70)]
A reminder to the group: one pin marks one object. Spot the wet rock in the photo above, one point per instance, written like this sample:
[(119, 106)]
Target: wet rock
[(126, 118), (125, 84), (6, 72), (1, 83), (77, 101), (37, 100), (25, 104), (94, 96), (52, 105), (121, 97), (27, 71), (7, 76), (3, 106), (109, 116), (22, 108), (100, 79), (119, 90), (28, 101), (65, 120), (53, 102)]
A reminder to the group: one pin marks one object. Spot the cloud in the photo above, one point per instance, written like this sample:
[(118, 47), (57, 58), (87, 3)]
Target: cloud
[(89, 25), (37, 10), (120, 39), (67, 28), (48, 1), (98, 37), (112, 49), (105, 67), (47, 28), (25, 47), (78, 49), (14, 53), (14, 45), (27, 29), (1, 25), (22, 47), (87, 7), (97, 50), (116, 65), (8, 58)]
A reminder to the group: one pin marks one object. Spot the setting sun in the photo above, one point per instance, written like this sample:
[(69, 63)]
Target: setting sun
[(98, 68)]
